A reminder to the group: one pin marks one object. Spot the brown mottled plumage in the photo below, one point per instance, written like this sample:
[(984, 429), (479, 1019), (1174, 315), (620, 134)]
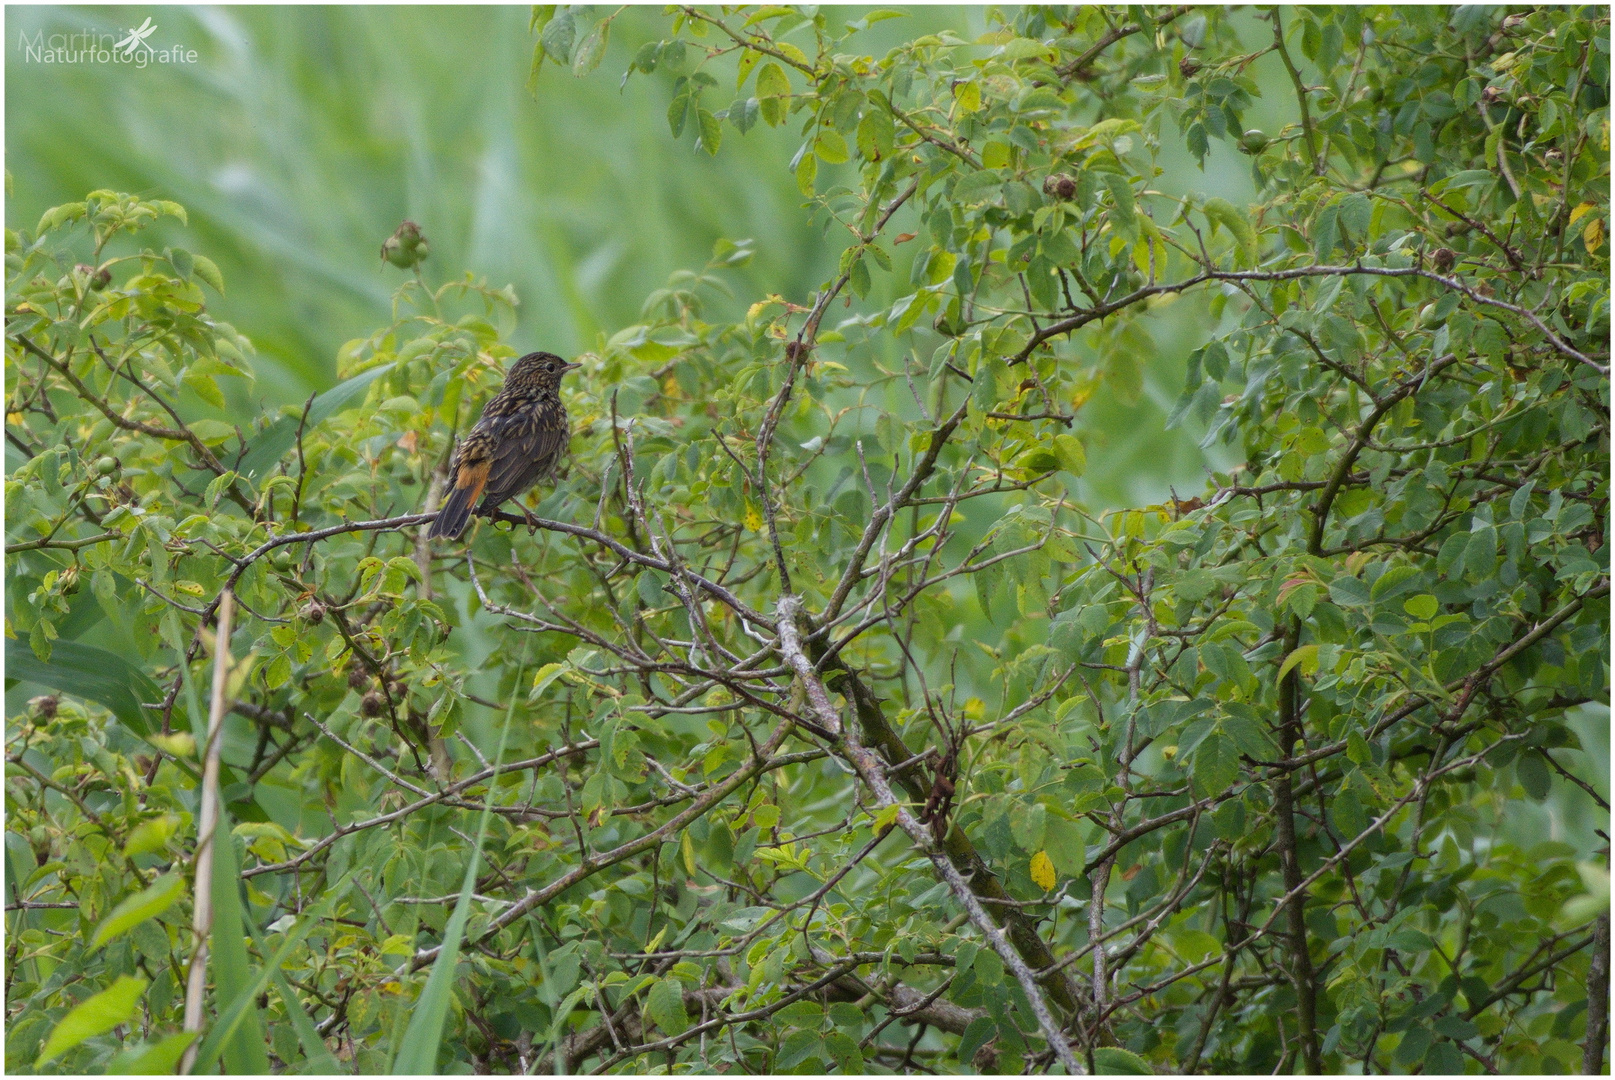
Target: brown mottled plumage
[(518, 441)]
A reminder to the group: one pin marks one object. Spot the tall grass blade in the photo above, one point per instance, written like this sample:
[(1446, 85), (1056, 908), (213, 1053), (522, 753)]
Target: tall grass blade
[(218, 889), (419, 1053), (239, 1010)]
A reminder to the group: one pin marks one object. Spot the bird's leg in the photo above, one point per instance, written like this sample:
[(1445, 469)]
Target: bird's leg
[(532, 522)]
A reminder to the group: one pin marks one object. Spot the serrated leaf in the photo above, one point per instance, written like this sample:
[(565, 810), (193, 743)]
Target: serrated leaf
[(665, 1006), (586, 57), (556, 39), (206, 269), (876, 133), (773, 88), (807, 170), (1071, 456), (711, 132), (1216, 763), (830, 146)]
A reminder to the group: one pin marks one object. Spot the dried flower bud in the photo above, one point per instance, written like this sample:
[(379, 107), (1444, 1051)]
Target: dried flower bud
[(1188, 68), (44, 706), (314, 612), (372, 704), (1443, 258), (1059, 186), (358, 678), (97, 278)]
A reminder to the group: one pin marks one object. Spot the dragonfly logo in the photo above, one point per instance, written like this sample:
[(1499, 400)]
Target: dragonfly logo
[(137, 39), (94, 47)]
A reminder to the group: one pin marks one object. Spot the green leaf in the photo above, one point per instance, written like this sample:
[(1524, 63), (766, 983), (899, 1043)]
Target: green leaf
[(806, 171), (206, 269), (546, 675), (1238, 223), (238, 1018), (1391, 582), (665, 1006), (1114, 1061), (849, 1059), (146, 904), (1358, 750), (1306, 656), (743, 113), (90, 673), (1533, 774), (153, 834), (678, 111), (57, 216), (94, 1015), (1216, 763), (268, 448), (1070, 454), (830, 146), (711, 131), (243, 1043), (425, 1033), (160, 1058), (586, 57), (876, 133), (1423, 606), (773, 88), (556, 38), (1121, 193)]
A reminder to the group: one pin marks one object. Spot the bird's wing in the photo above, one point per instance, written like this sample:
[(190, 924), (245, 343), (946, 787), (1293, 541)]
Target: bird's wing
[(525, 447)]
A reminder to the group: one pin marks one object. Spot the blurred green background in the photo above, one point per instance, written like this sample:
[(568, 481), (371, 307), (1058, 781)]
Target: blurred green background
[(303, 135)]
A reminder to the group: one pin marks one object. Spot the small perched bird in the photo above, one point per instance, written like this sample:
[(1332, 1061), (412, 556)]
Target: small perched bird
[(518, 441)]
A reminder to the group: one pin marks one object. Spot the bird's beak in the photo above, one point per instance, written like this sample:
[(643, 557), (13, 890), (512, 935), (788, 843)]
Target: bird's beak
[(570, 367)]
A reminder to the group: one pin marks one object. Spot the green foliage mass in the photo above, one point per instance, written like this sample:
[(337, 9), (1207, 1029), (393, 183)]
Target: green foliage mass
[(819, 725)]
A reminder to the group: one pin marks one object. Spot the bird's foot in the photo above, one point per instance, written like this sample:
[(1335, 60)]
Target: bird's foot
[(533, 522)]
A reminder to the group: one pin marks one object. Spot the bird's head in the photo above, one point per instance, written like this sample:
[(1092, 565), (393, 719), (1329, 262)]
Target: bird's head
[(540, 367)]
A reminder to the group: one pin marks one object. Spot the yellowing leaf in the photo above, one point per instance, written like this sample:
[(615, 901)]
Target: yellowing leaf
[(1043, 871), (754, 519), (1306, 656), (1593, 235), (1423, 606), (181, 744), (969, 97)]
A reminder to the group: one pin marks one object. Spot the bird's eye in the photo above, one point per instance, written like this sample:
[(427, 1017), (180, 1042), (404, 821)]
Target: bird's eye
[(548, 366)]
